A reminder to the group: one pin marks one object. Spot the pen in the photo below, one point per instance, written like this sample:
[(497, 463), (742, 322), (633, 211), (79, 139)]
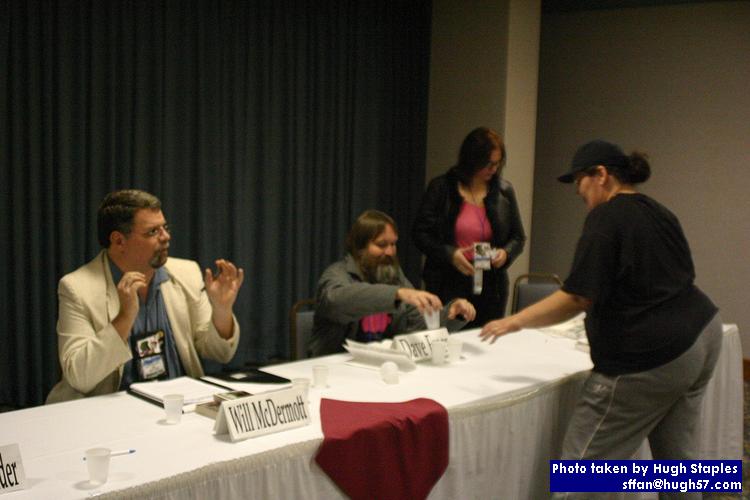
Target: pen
[(119, 453)]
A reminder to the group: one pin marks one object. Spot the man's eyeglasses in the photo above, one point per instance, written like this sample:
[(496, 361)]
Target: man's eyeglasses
[(156, 231)]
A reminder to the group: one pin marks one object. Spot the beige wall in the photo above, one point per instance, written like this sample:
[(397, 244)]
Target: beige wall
[(467, 75), (673, 81), (483, 71), (520, 112)]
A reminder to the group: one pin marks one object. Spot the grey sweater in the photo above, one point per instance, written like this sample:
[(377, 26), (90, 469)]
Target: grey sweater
[(344, 297)]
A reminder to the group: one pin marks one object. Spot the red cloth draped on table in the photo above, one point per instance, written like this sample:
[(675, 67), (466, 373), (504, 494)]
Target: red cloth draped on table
[(384, 450)]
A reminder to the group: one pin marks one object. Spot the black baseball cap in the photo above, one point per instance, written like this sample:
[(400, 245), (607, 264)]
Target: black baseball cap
[(594, 153)]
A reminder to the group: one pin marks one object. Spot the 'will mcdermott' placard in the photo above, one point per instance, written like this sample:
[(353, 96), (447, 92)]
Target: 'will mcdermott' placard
[(262, 414)]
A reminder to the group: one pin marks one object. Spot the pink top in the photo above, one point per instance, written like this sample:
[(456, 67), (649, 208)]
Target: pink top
[(373, 327), (472, 227)]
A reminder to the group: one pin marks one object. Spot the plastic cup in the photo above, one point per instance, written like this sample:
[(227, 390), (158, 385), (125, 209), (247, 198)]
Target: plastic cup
[(97, 463), (439, 352), (303, 384), (432, 319), (173, 407), (389, 372), (320, 376), (455, 346)]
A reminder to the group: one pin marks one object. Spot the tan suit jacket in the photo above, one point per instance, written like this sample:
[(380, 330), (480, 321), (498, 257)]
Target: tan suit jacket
[(92, 354)]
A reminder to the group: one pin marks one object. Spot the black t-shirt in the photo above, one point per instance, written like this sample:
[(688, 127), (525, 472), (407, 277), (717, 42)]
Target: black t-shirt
[(633, 262)]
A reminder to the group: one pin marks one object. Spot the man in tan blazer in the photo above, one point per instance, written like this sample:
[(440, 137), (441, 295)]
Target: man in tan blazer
[(131, 296)]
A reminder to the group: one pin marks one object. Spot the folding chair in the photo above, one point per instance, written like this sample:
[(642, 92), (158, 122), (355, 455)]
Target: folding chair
[(533, 287), (300, 327)]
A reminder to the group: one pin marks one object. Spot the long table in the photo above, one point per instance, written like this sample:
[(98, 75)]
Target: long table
[(508, 406)]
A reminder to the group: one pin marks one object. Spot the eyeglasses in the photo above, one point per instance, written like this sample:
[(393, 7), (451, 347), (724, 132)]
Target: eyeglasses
[(494, 164), (156, 231)]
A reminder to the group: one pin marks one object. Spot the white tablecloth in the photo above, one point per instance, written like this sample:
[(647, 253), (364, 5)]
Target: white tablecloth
[(508, 406)]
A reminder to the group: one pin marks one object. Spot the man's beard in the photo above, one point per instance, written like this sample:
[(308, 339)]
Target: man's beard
[(159, 258), (384, 269)]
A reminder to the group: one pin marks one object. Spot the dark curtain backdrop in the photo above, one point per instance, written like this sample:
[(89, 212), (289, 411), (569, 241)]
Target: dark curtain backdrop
[(264, 126)]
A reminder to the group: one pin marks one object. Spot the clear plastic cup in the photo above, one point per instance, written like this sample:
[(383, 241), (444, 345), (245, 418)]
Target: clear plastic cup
[(97, 463), (455, 345), (320, 376), (432, 319), (173, 404), (439, 352), (302, 384)]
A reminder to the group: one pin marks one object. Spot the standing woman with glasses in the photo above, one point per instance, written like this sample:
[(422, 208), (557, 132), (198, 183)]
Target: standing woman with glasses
[(471, 204)]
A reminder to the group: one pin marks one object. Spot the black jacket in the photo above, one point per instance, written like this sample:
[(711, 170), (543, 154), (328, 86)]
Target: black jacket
[(434, 233)]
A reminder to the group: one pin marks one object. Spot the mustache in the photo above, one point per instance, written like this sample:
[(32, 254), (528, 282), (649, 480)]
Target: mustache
[(386, 273), (384, 269), (159, 258)]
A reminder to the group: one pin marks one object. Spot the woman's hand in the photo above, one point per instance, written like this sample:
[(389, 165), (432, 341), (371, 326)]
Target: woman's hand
[(461, 263), (500, 258)]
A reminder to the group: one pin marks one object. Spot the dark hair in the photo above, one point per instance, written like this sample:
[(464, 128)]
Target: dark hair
[(476, 151), (117, 211), (368, 226), (636, 171)]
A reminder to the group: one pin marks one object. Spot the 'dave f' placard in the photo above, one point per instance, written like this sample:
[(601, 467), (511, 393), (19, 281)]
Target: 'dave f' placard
[(262, 414), (419, 344)]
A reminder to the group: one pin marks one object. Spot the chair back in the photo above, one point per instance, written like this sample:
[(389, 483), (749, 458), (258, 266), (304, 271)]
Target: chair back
[(300, 327), (533, 287)]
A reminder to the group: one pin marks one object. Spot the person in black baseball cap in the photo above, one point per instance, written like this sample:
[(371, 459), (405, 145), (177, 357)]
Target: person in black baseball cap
[(654, 336), (594, 153), (598, 157)]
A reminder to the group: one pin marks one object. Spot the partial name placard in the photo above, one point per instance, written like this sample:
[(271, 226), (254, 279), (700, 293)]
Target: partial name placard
[(262, 414), (419, 344), (12, 476)]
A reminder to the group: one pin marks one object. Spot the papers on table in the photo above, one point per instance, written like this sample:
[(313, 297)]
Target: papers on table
[(251, 387), (376, 354), (573, 328), (194, 391)]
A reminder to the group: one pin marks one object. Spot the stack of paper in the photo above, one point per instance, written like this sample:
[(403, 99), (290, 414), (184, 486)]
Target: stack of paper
[(193, 390), (376, 354), (572, 329)]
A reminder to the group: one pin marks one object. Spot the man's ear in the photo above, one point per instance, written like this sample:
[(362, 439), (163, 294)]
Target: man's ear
[(116, 238)]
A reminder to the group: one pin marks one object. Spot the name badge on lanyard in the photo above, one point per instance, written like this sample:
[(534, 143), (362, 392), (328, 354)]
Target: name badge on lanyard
[(482, 262), (150, 355)]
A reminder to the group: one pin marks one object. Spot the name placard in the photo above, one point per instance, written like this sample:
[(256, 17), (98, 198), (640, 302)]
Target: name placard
[(262, 414), (12, 476), (419, 344)]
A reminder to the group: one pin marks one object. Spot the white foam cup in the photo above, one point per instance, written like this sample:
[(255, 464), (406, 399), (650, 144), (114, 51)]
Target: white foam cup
[(389, 372)]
